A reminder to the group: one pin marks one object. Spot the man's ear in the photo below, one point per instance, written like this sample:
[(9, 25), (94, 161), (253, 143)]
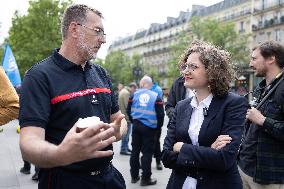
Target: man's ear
[(73, 29), (271, 60)]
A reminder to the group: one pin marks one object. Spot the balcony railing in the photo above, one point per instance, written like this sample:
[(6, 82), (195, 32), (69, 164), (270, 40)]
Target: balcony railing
[(235, 15), (268, 23), (263, 7)]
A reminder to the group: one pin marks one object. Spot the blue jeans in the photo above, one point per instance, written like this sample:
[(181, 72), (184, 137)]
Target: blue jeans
[(125, 139)]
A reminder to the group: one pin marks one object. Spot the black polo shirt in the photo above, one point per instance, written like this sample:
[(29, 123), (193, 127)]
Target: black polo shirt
[(56, 93)]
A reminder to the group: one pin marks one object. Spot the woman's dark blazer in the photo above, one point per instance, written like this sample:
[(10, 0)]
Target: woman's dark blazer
[(213, 169)]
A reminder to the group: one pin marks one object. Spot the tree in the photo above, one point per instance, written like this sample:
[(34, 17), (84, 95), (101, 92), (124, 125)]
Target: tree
[(33, 36), (220, 34), (1, 52), (1, 47), (98, 61), (183, 40), (119, 66)]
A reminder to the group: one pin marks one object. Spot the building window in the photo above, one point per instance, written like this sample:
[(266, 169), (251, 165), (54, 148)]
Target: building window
[(277, 35), (268, 34), (278, 15), (261, 37), (241, 27), (264, 4), (261, 22)]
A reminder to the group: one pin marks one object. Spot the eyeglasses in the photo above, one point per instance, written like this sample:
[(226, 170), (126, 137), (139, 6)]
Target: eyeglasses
[(99, 31), (187, 67)]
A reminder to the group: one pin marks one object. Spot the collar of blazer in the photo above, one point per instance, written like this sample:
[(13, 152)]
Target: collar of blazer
[(212, 112)]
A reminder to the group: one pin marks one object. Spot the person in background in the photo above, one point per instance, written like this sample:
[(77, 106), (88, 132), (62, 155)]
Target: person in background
[(9, 100), (123, 98), (146, 112), (177, 93), (120, 86), (157, 151), (26, 169), (261, 157), (157, 89), (60, 90), (192, 148)]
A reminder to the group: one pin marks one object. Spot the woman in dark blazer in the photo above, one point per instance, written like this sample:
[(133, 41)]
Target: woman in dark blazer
[(204, 135)]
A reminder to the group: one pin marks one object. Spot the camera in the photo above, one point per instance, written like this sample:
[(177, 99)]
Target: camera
[(253, 103)]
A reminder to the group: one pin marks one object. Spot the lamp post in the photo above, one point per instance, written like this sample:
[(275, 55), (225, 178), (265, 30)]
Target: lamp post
[(137, 71)]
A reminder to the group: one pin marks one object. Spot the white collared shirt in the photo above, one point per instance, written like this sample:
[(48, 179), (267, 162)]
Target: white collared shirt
[(196, 121)]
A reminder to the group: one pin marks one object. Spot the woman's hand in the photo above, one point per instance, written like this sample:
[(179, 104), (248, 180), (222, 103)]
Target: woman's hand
[(221, 142)]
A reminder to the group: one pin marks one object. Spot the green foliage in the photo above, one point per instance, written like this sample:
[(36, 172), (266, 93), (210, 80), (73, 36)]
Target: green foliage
[(223, 35), (220, 34), (1, 53), (119, 67), (2, 49), (33, 36), (183, 41), (98, 61)]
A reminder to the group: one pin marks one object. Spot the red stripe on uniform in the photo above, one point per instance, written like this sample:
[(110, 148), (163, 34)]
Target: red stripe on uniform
[(160, 103), (68, 96)]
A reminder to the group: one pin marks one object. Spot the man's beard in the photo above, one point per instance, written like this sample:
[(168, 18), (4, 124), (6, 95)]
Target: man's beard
[(86, 49), (261, 73)]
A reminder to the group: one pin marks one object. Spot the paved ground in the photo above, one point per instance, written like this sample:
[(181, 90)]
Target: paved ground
[(11, 162)]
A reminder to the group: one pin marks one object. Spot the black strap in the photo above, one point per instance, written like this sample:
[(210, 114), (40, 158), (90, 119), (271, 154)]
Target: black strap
[(247, 124), (269, 93)]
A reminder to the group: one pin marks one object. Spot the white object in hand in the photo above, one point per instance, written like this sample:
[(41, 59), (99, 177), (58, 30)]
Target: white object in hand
[(88, 122)]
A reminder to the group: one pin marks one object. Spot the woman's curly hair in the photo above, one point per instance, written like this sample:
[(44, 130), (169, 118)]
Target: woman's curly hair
[(217, 65)]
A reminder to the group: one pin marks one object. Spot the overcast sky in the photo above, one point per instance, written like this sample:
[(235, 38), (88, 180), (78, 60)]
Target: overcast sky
[(122, 17)]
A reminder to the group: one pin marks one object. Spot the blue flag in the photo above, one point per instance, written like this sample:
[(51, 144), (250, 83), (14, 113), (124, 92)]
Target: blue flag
[(10, 66)]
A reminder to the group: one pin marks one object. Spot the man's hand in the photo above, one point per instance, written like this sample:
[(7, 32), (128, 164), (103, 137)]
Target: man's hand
[(119, 125), (177, 146), (255, 116), (221, 142), (86, 144)]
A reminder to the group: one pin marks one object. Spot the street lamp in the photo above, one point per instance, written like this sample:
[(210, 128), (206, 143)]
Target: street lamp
[(137, 71)]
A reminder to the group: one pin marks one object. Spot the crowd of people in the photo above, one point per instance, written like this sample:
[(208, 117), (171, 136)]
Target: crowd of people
[(215, 139)]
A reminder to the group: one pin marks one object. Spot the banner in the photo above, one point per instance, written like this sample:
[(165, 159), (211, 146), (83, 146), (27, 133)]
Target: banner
[(10, 66)]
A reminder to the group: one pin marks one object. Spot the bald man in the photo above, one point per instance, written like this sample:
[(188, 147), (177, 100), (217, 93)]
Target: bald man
[(146, 112)]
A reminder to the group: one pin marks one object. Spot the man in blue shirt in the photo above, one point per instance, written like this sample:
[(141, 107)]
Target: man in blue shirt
[(157, 151), (146, 112)]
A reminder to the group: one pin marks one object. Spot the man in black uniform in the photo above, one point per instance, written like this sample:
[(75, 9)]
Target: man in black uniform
[(57, 92)]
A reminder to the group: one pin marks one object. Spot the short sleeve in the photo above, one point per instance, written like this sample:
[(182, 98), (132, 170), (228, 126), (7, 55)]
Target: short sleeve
[(35, 103)]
